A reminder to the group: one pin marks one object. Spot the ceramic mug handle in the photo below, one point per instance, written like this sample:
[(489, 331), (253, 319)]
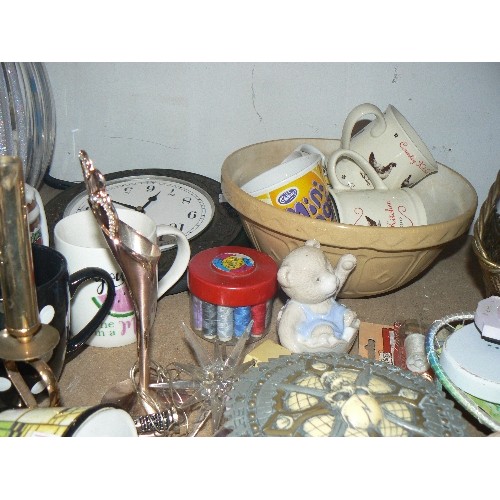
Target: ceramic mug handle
[(355, 115), (77, 342), (181, 260), (377, 182)]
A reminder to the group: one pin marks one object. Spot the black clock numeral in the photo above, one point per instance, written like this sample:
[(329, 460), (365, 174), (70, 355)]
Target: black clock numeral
[(127, 189), (150, 188), (187, 199), (192, 215), (172, 192)]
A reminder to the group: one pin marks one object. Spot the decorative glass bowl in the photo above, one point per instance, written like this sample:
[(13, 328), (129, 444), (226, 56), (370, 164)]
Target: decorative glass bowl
[(27, 118)]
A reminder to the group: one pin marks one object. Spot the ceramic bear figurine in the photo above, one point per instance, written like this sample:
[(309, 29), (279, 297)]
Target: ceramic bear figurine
[(312, 320)]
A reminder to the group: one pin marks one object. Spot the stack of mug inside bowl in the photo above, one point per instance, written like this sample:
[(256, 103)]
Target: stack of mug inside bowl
[(366, 182)]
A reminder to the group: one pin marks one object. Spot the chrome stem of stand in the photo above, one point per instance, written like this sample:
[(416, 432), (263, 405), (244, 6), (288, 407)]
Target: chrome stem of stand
[(138, 259)]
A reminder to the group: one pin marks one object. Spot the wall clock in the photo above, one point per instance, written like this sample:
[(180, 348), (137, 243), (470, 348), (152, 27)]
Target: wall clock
[(191, 202)]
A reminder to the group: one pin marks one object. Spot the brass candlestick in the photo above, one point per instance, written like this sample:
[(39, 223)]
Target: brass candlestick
[(24, 337)]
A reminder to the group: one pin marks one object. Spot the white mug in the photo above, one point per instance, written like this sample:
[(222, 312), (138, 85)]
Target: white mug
[(390, 144), (37, 221), (79, 238), (298, 185), (380, 206), (103, 420), (304, 150)]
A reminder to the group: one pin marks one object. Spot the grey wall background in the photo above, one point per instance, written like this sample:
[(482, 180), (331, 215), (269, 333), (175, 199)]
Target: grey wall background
[(191, 116)]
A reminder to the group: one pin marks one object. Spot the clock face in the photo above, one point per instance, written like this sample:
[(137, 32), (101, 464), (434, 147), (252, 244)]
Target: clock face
[(189, 201), (166, 200)]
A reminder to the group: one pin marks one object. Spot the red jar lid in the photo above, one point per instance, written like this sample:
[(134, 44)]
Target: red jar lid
[(232, 276)]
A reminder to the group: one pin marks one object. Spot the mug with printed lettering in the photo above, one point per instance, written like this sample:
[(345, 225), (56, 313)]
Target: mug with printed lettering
[(390, 145), (380, 206), (79, 238)]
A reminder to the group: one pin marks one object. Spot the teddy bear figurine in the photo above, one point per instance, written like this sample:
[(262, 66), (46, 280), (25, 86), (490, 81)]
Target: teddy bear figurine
[(312, 320)]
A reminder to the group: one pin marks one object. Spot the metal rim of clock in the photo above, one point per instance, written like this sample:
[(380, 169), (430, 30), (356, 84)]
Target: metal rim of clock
[(225, 227)]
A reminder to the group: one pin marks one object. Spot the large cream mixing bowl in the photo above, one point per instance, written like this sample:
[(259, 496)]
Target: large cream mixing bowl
[(387, 258)]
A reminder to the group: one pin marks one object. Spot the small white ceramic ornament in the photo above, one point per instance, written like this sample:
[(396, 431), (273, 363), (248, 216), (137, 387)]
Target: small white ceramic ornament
[(312, 320)]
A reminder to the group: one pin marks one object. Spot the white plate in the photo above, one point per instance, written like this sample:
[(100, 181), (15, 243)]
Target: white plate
[(472, 363)]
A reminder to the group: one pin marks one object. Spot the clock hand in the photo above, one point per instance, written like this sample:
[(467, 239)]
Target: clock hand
[(137, 209), (150, 199)]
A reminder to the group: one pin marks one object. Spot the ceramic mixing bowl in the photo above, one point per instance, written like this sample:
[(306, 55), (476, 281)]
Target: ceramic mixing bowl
[(387, 258)]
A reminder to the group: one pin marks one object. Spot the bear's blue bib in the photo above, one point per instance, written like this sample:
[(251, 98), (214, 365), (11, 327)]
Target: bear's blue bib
[(334, 318)]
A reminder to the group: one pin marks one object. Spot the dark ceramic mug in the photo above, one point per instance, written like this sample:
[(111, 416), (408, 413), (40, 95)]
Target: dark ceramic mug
[(54, 290)]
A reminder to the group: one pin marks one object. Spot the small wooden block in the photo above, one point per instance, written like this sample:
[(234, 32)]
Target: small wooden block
[(265, 351)]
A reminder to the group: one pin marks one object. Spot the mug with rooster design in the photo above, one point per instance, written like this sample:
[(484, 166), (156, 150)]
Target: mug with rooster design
[(380, 206), (390, 145)]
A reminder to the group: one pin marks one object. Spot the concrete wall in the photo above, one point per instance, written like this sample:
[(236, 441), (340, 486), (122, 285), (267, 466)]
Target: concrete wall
[(191, 116)]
